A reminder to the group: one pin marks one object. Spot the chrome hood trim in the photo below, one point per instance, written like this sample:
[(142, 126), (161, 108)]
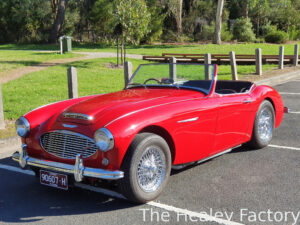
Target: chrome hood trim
[(79, 116)]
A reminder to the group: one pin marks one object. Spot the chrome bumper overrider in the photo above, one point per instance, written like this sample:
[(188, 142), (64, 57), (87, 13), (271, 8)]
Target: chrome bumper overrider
[(78, 170)]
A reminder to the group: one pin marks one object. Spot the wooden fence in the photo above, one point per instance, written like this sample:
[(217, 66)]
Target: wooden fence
[(221, 59)]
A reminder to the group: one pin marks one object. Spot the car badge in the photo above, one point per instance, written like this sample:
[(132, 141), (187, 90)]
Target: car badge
[(69, 125)]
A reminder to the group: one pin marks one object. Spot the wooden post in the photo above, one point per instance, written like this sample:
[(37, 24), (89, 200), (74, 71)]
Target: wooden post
[(233, 66), (258, 61), (72, 82), (61, 45), (2, 123), (296, 55), (172, 69), (281, 57), (207, 62), (127, 72)]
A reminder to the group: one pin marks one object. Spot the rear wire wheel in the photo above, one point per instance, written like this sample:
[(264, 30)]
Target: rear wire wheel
[(146, 166), (263, 126)]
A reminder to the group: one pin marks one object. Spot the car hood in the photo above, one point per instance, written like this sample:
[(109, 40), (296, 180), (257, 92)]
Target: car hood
[(109, 107)]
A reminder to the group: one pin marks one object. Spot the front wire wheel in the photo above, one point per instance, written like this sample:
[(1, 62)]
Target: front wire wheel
[(146, 166)]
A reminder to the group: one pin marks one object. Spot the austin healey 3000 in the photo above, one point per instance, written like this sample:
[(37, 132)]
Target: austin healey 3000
[(168, 116)]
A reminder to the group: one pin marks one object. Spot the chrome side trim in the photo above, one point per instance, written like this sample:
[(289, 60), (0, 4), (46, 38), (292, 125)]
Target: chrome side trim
[(78, 170), (78, 116), (188, 120)]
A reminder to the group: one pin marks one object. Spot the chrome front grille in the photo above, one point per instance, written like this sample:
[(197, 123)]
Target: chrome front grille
[(67, 144)]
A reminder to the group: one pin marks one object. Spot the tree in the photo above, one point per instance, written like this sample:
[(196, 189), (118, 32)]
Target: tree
[(134, 18), (175, 7), (218, 28), (60, 10)]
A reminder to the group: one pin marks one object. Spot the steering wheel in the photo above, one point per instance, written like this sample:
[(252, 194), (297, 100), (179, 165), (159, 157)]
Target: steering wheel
[(146, 81)]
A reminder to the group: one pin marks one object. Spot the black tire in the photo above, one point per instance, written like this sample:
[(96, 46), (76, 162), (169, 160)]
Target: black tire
[(136, 156), (262, 139)]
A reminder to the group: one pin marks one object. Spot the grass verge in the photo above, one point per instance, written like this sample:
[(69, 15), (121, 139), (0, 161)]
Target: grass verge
[(244, 48), (10, 60)]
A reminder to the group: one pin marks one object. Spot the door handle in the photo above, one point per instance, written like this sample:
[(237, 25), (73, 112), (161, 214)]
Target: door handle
[(247, 101)]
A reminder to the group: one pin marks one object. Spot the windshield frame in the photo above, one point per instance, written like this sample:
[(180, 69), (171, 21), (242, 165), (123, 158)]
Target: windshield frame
[(174, 85)]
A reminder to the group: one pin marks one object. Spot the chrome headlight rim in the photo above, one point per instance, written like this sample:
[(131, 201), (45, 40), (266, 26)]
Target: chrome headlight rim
[(104, 139), (22, 127)]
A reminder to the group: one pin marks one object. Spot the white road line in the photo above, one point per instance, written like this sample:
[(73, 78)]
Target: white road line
[(288, 93), (16, 169), (202, 216), (285, 147), (114, 194), (294, 112)]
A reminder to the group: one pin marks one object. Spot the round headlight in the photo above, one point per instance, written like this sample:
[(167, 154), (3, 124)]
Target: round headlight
[(22, 127), (104, 139)]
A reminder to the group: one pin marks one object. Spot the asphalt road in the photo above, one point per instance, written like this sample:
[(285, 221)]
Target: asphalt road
[(242, 187)]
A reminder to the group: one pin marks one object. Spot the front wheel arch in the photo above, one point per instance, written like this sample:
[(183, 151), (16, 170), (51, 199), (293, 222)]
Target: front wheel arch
[(164, 134)]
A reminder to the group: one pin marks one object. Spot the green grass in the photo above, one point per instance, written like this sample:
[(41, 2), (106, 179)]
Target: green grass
[(50, 85), (245, 48), (10, 60)]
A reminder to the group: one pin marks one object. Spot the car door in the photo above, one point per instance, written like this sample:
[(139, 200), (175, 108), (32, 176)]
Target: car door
[(234, 111), (194, 130)]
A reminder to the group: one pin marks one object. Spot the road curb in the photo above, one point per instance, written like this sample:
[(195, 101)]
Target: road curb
[(283, 78)]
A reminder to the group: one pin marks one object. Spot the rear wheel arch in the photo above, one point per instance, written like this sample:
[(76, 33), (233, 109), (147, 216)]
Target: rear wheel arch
[(272, 102)]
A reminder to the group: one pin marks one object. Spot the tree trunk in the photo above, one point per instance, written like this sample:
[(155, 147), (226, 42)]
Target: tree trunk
[(218, 28), (59, 20), (179, 19), (122, 51), (247, 10)]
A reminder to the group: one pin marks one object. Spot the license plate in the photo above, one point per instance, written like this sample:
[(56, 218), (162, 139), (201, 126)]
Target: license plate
[(54, 179)]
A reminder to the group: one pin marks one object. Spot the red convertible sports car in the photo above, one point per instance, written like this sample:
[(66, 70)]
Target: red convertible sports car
[(168, 116)]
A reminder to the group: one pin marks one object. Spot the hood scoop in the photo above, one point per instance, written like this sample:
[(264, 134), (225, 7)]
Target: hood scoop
[(79, 116)]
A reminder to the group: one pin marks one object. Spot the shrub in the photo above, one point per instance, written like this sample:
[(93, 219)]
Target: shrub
[(226, 34), (242, 30), (207, 33), (276, 37)]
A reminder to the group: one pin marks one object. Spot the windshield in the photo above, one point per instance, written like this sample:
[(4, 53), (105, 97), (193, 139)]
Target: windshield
[(180, 75)]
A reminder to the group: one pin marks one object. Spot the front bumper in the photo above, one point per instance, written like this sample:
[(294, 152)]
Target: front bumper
[(78, 170)]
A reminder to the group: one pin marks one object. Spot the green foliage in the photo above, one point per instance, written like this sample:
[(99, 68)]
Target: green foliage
[(24, 21), (226, 34), (242, 30), (276, 37), (207, 33), (101, 17), (156, 23), (134, 18)]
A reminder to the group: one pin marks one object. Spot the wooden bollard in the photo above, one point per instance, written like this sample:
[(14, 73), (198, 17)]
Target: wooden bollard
[(258, 61), (281, 57), (296, 55), (72, 82), (207, 62), (2, 123), (233, 66), (172, 69), (127, 72)]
